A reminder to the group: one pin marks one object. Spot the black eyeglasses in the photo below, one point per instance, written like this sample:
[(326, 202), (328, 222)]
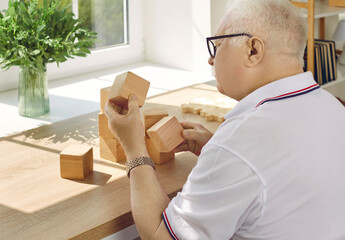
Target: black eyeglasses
[(212, 49)]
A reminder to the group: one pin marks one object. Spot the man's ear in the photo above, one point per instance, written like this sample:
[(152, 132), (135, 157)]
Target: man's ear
[(255, 51)]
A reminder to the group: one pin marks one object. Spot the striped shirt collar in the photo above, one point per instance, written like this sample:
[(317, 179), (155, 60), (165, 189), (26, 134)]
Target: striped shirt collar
[(280, 89)]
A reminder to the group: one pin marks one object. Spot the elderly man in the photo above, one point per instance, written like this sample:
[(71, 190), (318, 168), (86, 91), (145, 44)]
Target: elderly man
[(275, 169)]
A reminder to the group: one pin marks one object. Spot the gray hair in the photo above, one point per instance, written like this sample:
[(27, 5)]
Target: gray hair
[(282, 26)]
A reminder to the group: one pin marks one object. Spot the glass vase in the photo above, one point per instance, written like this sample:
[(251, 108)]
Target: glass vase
[(33, 98)]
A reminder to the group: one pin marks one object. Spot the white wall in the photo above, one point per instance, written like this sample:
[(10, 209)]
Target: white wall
[(330, 26), (218, 10), (175, 33)]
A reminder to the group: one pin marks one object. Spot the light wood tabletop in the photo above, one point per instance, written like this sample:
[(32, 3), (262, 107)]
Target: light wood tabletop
[(36, 203)]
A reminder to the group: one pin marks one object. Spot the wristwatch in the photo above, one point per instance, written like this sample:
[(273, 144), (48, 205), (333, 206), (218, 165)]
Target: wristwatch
[(135, 162)]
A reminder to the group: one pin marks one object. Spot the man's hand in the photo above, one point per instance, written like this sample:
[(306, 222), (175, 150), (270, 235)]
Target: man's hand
[(127, 127), (196, 137)]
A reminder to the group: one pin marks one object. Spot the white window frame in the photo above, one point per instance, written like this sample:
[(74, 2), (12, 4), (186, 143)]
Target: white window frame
[(111, 56), (99, 59)]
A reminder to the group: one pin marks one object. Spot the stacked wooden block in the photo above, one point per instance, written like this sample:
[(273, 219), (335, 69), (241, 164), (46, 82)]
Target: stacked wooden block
[(109, 147), (124, 85), (163, 134)]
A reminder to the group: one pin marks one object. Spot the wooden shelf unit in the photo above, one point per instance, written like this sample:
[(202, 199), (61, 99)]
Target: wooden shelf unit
[(319, 9)]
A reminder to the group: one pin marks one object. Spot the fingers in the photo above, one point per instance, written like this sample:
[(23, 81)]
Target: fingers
[(133, 104), (114, 106), (189, 125), (111, 110), (181, 148), (190, 134)]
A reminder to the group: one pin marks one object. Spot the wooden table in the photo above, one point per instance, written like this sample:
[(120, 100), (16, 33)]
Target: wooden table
[(36, 203)]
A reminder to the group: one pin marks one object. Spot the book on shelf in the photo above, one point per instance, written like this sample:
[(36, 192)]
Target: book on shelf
[(325, 66)]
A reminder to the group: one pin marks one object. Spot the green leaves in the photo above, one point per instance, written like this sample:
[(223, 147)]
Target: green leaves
[(33, 35)]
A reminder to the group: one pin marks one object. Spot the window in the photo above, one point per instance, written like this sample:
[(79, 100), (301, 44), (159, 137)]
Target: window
[(119, 24), (107, 18)]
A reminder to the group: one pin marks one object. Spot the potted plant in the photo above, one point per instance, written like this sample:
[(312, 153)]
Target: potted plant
[(33, 35)]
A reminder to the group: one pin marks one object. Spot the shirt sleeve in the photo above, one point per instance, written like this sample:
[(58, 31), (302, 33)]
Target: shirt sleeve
[(221, 195)]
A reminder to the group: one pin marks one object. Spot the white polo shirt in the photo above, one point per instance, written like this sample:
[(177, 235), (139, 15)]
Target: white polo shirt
[(275, 169)]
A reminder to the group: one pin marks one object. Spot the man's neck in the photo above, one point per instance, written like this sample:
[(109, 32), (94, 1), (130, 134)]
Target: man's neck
[(280, 67), (272, 71)]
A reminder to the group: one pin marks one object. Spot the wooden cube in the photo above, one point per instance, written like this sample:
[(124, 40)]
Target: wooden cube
[(127, 84), (185, 108), (336, 3), (103, 129), (111, 149), (166, 134), (156, 156), (76, 162), (152, 116), (104, 97)]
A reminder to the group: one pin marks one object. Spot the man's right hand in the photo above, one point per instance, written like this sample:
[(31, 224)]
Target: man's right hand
[(196, 136)]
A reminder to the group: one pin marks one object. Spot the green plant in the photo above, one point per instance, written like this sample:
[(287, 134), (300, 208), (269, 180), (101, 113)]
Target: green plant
[(32, 35)]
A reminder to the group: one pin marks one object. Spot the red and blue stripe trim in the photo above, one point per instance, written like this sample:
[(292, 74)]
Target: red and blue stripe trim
[(290, 94), (167, 224)]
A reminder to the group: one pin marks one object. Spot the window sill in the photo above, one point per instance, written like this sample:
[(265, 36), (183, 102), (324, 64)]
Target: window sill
[(78, 95)]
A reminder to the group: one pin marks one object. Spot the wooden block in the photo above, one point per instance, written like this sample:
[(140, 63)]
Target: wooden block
[(210, 109), (203, 112), (104, 97), (152, 116), (197, 109), (185, 108), (336, 3), (156, 156), (220, 117), (103, 129), (111, 149), (211, 116), (127, 84), (166, 134), (76, 162)]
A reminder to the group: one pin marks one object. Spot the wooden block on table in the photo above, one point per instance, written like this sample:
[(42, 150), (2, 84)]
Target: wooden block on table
[(185, 108), (209, 112), (104, 97), (127, 84), (220, 117), (152, 116), (196, 109), (211, 116), (203, 112), (111, 149), (103, 128), (156, 156), (221, 114), (76, 162), (166, 134)]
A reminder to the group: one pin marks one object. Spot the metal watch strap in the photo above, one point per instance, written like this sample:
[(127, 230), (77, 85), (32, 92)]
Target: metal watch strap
[(137, 162)]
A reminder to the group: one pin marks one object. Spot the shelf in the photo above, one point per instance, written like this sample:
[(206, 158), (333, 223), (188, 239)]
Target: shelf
[(322, 9), (340, 76)]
